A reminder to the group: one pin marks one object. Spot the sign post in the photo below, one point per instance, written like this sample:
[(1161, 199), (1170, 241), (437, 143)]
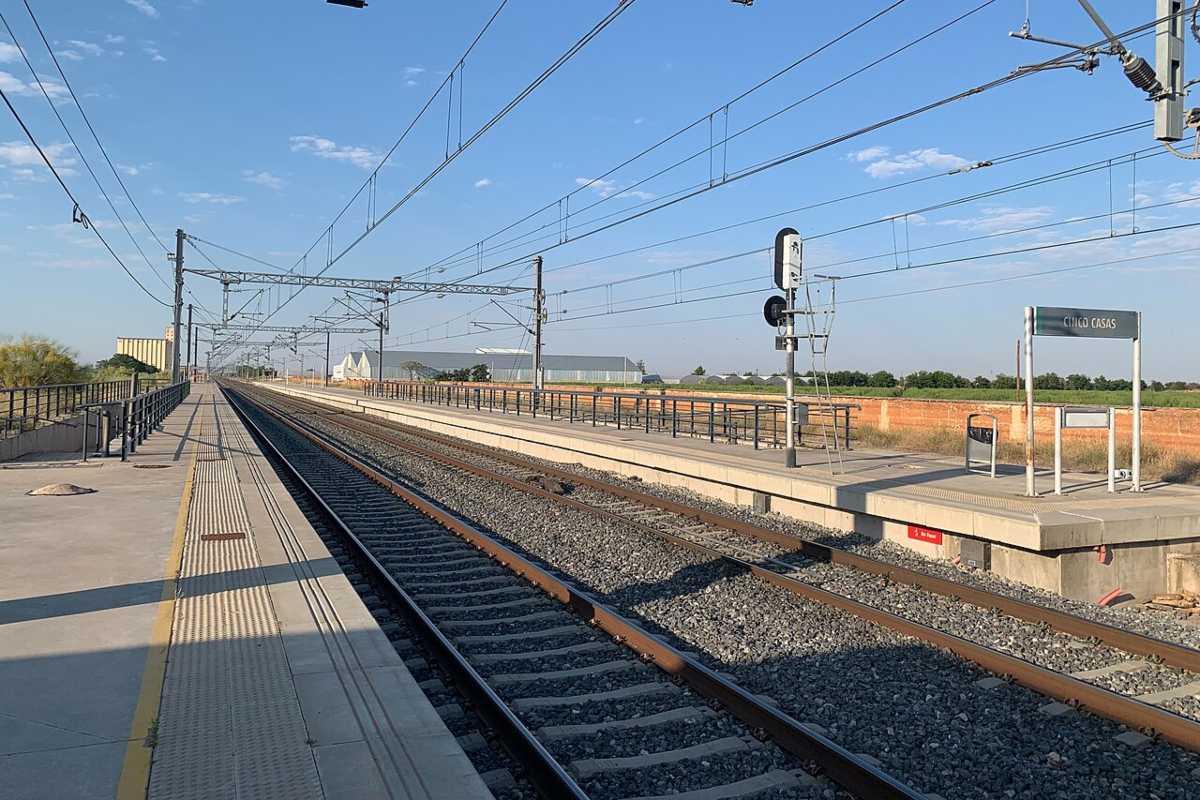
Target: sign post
[(1089, 323), (1030, 488)]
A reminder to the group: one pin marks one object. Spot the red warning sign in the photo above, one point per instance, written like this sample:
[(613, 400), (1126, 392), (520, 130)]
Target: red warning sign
[(924, 534)]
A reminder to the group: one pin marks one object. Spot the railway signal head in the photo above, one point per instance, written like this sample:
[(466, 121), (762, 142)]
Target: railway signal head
[(789, 253)]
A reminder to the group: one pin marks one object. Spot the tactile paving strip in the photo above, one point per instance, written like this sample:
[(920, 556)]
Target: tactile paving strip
[(229, 723)]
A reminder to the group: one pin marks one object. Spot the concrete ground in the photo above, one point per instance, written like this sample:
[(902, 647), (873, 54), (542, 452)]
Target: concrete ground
[(142, 656), (81, 578)]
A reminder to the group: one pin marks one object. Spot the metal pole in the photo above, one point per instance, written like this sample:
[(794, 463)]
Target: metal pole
[(1018, 368), (178, 303), (539, 299), (1030, 489), (789, 453), (1136, 466), (1058, 423), (188, 357), (1112, 449), (326, 359)]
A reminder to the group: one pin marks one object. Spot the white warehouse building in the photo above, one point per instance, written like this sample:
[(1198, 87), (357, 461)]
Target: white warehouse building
[(504, 367)]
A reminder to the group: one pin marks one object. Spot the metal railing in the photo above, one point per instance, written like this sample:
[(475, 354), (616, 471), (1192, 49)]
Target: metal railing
[(759, 423), (140, 415), (23, 409)]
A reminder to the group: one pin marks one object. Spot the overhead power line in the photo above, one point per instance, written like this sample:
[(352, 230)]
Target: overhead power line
[(785, 158), (333, 257), (564, 201), (82, 156), (88, 122), (78, 215)]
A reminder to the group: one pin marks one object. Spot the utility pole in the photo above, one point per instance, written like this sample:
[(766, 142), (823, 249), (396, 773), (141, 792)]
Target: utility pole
[(179, 237), (188, 357), (326, 359), (383, 326), (1168, 60), (539, 302)]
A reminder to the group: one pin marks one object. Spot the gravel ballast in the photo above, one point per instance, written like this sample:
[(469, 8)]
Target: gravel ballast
[(916, 709)]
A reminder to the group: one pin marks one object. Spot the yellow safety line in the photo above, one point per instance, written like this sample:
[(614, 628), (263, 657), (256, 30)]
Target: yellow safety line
[(135, 770)]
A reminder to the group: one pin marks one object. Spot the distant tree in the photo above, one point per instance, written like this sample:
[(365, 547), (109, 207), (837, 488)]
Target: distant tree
[(127, 364), (480, 373), (1048, 380), (882, 379), (1112, 385), (981, 382), (938, 379), (698, 371), (1157, 386), (413, 368), (1077, 382), (36, 361), (641, 366), (1003, 381)]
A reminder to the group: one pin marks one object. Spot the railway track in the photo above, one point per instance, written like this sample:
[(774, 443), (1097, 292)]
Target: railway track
[(795, 566), (586, 702)]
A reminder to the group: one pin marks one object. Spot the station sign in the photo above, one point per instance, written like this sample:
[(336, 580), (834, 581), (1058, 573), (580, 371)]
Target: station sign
[(1090, 323), (1076, 417)]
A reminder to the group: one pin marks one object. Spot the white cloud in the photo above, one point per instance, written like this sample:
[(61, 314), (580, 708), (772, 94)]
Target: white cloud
[(412, 72), (606, 188), (410, 83), (20, 157), (114, 39), (883, 165), (209, 197), (1000, 218), (639, 120), (151, 49), (869, 154), (91, 48), (13, 85), (263, 178), (483, 182), (8, 52), (144, 7), (321, 147), (70, 55)]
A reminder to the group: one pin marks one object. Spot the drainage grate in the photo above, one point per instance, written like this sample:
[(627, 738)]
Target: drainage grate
[(222, 537), (151, 466)]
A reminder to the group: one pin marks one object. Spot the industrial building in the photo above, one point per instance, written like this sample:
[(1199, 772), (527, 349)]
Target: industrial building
[(508, 367), (158, 353)]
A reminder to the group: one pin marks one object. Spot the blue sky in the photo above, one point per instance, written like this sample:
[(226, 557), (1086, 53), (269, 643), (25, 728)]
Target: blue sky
[(250, 126)]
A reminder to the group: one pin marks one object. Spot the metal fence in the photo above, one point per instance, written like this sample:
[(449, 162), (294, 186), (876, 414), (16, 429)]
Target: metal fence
[(759, 423), (136, 419), (25, 408)]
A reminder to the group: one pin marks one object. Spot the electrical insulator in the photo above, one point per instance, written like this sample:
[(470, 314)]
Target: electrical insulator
[(1141, 75)]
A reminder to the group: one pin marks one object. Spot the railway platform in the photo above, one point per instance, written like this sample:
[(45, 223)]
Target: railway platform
[(1086, 544), (182, 631)]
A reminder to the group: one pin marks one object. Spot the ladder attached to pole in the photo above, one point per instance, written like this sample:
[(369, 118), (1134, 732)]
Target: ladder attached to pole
[(820, 295)]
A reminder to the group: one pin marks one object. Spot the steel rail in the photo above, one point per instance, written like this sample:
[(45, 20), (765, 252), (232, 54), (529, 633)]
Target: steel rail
[(1135, 714), (848, 770), (1170, 653), (543, 770)]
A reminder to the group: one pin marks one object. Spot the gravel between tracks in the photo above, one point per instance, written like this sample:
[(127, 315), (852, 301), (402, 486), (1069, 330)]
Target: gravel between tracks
[(665, 778), (916, 709)]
